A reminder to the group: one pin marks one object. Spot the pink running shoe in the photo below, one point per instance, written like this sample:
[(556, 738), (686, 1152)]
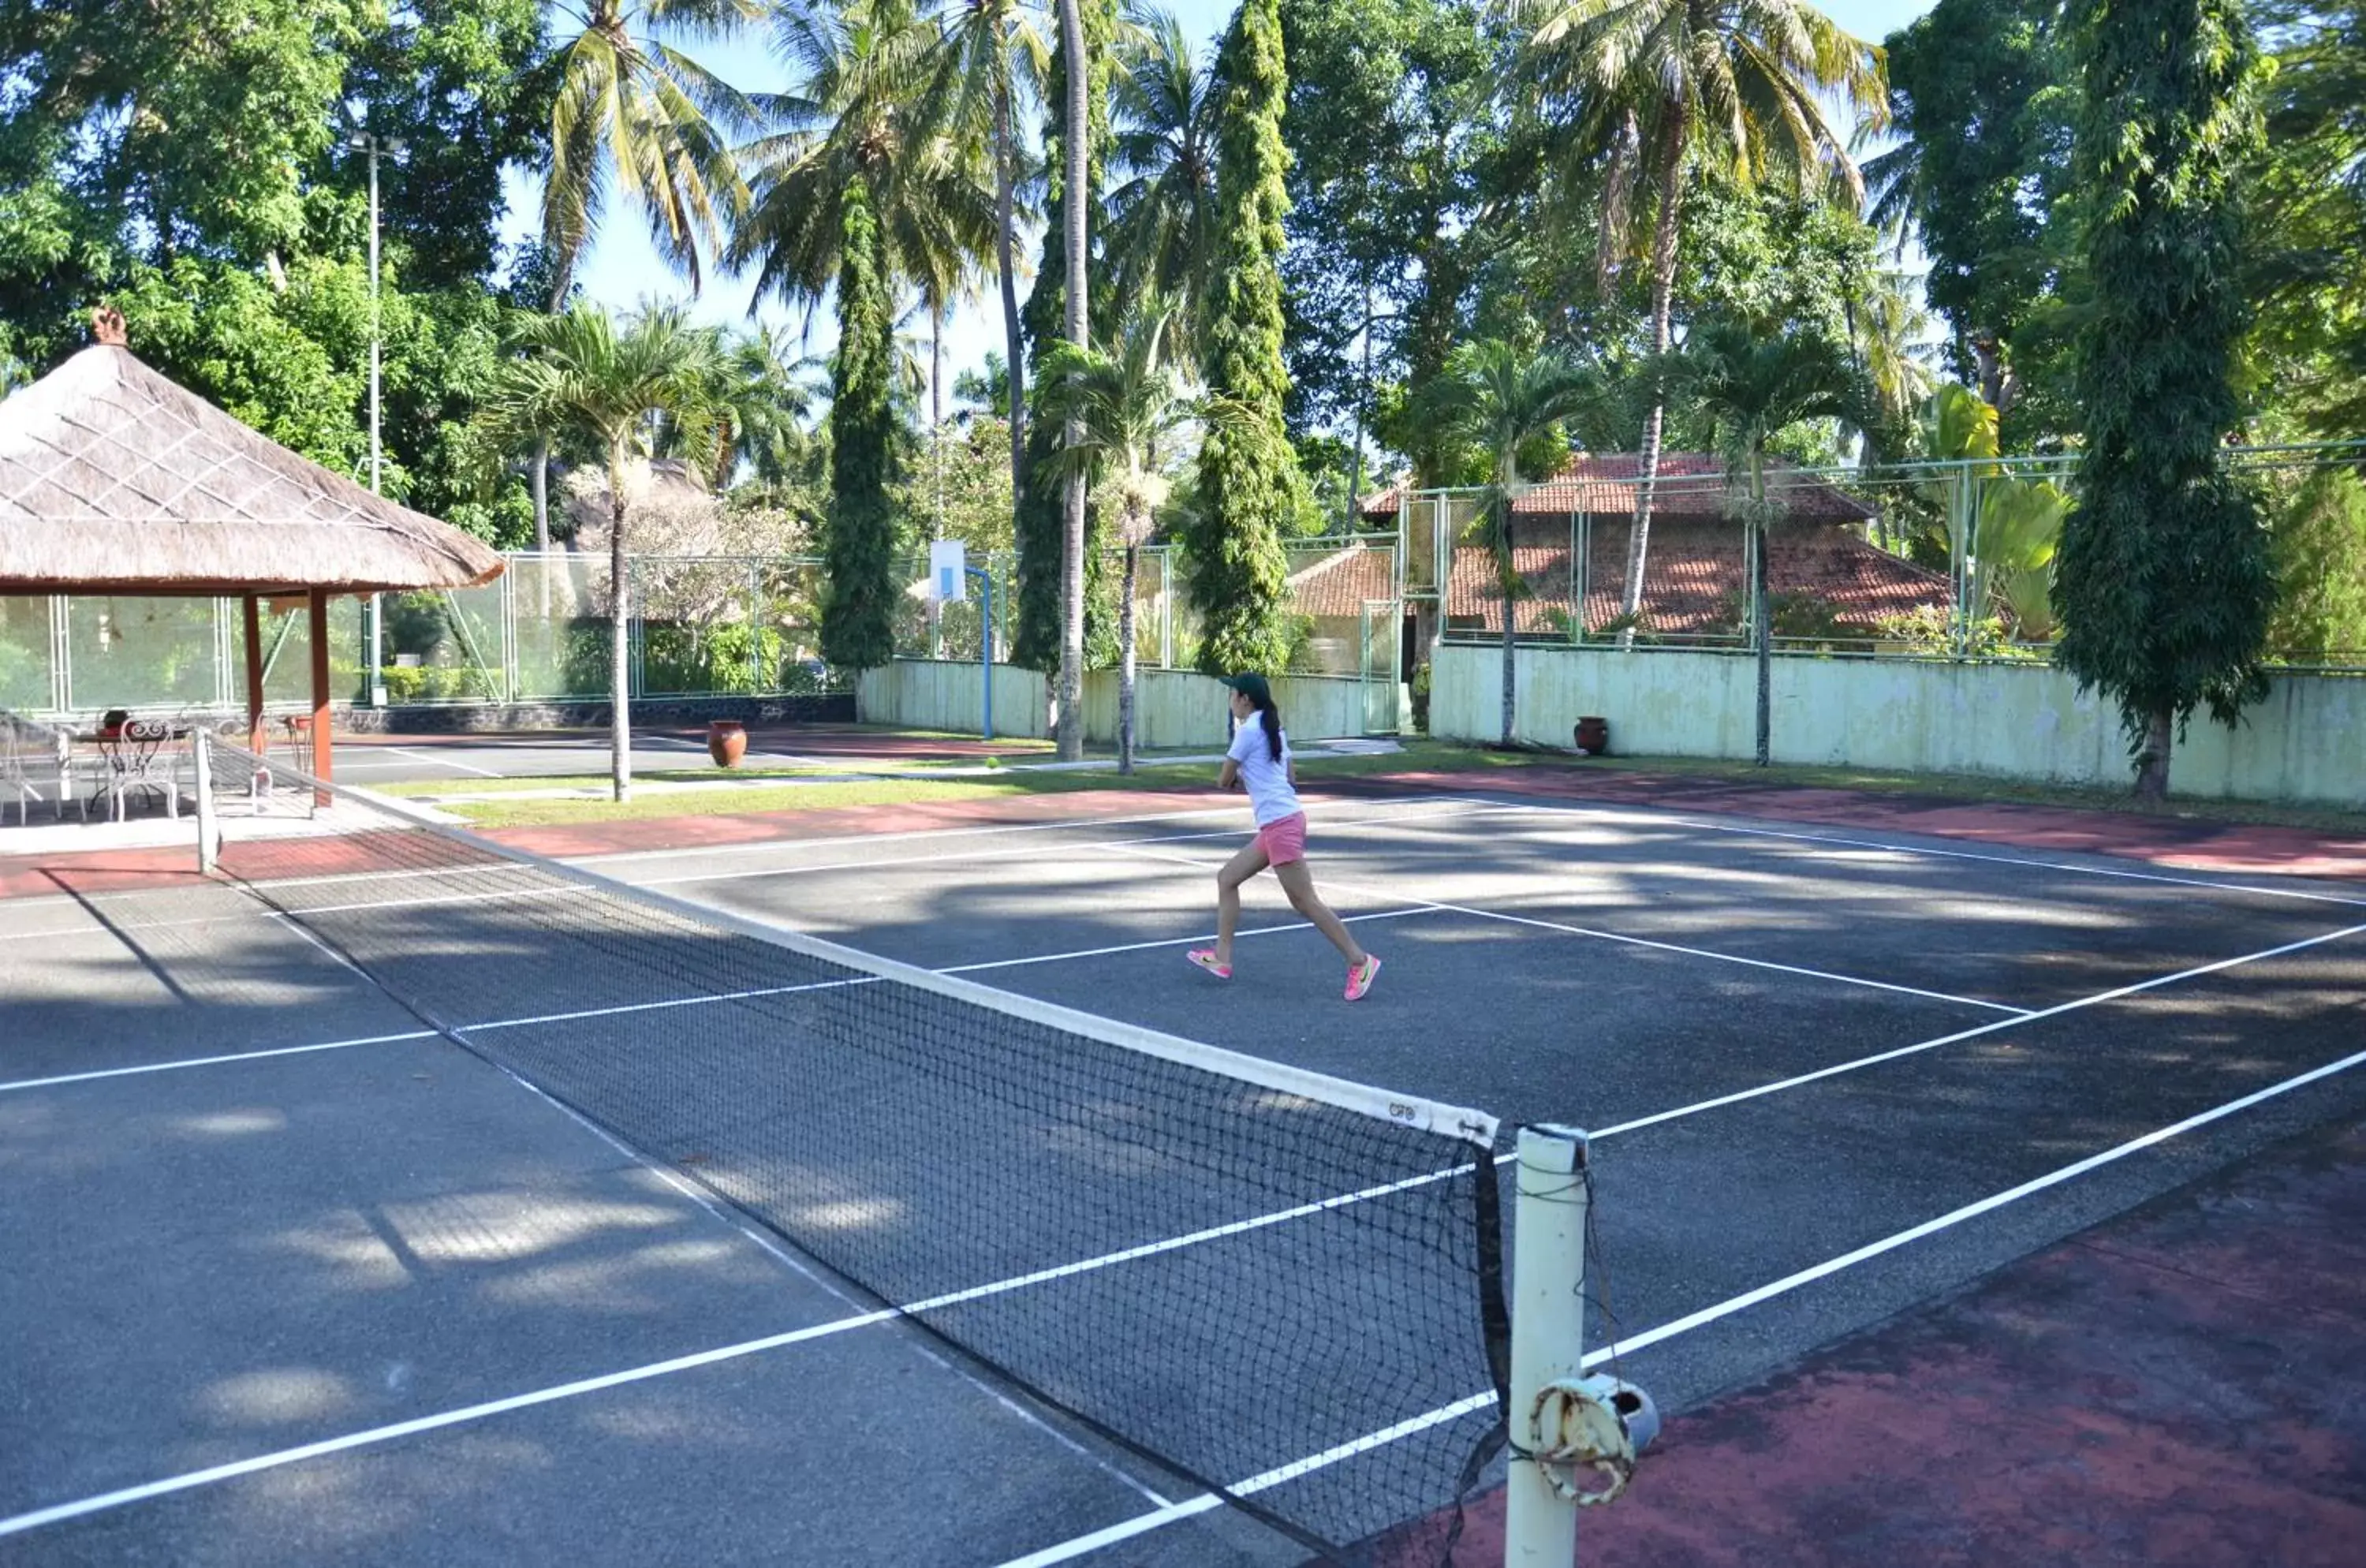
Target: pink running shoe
[(1360, 977), (1205, 957)]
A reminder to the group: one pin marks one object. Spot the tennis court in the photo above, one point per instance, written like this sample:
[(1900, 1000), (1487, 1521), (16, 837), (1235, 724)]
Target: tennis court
[(305, 1282)]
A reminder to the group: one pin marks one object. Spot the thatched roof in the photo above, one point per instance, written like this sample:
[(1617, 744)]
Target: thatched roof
[(113, 478)]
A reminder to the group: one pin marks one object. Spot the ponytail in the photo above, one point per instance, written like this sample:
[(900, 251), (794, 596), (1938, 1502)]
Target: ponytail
[(1270, 716)]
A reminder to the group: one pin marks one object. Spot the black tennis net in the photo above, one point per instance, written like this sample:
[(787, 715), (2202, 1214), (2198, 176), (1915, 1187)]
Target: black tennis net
[(1282, 1286)]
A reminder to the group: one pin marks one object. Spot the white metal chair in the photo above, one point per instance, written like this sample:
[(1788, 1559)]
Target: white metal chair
[(26, 747), (144, 757)]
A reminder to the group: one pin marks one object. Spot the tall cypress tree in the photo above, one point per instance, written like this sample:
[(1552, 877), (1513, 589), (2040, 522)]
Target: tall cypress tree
[(1248, 475), (857, 628), (2164, 582), (1038, 519)]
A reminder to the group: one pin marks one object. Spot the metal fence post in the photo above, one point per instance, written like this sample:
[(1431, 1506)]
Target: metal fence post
[(1548, 1333), (755, 628)]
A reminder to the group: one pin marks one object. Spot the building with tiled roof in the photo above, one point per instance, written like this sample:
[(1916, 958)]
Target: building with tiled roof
[(1569, 540)]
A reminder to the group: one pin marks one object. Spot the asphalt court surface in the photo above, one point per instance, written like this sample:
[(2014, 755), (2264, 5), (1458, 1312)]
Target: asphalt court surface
[(239, 1258)]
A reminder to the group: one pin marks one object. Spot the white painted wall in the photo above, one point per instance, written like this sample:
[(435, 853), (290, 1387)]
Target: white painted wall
[(931, 694), (2305, 743), (1172, 708)]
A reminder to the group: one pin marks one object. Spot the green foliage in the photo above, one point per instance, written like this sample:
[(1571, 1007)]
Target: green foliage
[(1394, 200), (1038, 518), (2319, 531), (634, 116), (2164, 583), (857, 622), (1248, 479), (969, 466), (1162, 217), (2308, 186), (2019, 533), (1983, 92)]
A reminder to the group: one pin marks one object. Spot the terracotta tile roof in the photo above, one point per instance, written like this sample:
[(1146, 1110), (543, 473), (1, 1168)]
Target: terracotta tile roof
[(1692, 484), (1693, 577), (1339, 585)]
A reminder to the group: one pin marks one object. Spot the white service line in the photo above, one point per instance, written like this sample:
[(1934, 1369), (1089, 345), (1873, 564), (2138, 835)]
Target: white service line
[(2055, 1011), (490, 1025), (1171, 1512), (1023, 853), (2071, 868), (169, 1484), (420, 756), (63, 1079), (1477, 913), (1142, 1524), (983, 830), (331, 878)]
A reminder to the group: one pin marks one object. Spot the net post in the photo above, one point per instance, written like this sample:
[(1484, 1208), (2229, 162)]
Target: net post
[(1547, 1332), (208, 818)]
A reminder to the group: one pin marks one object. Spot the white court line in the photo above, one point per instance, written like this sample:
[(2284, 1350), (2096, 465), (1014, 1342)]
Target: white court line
[(498, 1023), (1618, 937), (420, 756), (1960, 1035), (216, 1061), (1648, 815), (62, 1511), (1156, 1519), (332, 878), (983, 830)]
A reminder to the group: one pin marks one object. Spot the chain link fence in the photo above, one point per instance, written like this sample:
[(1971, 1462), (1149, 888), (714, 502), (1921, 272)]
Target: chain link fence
[(1925, 560)]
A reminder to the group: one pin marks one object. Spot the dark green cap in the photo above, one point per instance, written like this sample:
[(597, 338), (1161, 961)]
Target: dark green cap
[(1251, 687)]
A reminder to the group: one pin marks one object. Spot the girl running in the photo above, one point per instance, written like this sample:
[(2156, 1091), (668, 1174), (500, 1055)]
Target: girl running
[(1259, 760)]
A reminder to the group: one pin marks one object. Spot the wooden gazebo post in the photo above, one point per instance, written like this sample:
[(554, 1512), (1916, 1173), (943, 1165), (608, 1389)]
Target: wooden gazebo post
[(114, 480), (322, 758), (255, 741)]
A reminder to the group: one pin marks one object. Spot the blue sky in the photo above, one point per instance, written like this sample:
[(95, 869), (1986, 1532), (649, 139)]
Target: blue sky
[(623, 268)]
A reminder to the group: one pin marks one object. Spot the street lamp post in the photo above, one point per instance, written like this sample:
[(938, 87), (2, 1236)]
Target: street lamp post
[(374, 144)]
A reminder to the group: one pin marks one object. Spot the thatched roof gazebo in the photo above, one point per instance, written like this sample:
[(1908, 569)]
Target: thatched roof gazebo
[(114, 480)]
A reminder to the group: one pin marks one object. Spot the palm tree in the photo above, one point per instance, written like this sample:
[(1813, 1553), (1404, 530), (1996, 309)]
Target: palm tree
[(1078, 118), (997, 59), (1749, 383), (988, 386), (635, 115), (858, 193), (1637, 89), (1890, 328), (579, 373), (1124, 408), (1161, 217), (1498, 397), (761, 402), (863, 113)]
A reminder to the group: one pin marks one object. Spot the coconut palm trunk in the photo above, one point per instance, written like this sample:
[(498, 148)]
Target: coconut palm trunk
[(1664, 289), (620, 600), (1071, 728), (1014, 335)]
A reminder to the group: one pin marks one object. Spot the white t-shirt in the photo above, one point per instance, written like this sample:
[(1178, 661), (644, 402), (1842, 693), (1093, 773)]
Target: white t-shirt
[(1270, 797)]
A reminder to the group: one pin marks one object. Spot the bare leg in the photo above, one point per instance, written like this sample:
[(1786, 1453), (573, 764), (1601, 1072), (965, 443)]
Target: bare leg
[(1237, 870), (1299, 883)]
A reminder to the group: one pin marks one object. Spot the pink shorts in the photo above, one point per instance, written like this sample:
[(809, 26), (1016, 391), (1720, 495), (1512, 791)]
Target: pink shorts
[(1285, 840)]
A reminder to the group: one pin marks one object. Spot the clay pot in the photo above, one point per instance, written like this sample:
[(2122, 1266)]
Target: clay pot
[(726, 741), (1593, 736)]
